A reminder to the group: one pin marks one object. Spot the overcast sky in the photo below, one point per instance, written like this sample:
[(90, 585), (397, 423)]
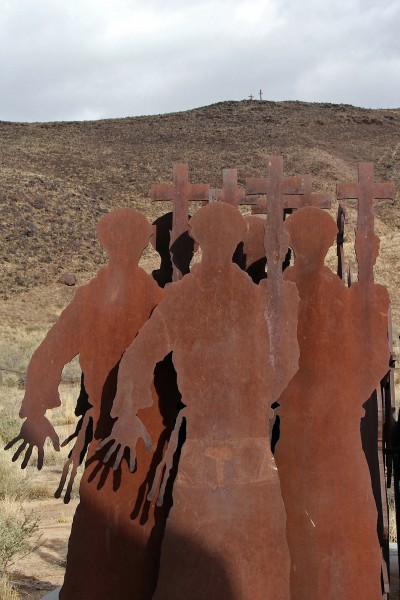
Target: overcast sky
[(91, 59)]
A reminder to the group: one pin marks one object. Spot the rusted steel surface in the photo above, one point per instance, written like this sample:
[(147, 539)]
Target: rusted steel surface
[(225, 536), (180, 192), (276, 186), (367, 249), (373, 444), (108, 550), (291, 199), (374, 436), (366, 191), (230, 192), (324, 476), (180, 497)]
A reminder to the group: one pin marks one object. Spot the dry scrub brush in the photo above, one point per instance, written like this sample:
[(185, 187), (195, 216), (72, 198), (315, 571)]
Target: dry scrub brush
[(16, 525), (7, 590), (16, 530)]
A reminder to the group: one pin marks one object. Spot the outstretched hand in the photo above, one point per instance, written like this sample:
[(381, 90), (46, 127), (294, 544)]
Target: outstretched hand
[(75, 457), (125, 434), (34, 432)]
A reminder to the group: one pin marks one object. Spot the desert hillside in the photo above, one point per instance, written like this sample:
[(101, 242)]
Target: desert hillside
[(56, 179)]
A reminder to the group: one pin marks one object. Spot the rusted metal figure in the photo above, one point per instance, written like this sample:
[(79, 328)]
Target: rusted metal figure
[(367, 248), (375, 429), (109, 550), (235, 351), (325, 481), (225, 536), (275, 186)]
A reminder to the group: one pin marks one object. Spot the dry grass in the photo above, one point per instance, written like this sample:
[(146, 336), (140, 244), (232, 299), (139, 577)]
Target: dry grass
[(31, 484), (61, 194), (7, 590), (16, 530), (392, 520), (17, 487), (65, 414), (57, 179), (13, 481)]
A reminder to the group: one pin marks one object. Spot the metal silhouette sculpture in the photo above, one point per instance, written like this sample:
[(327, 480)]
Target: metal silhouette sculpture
[(291, 199), (226, 496), (326, 486), (107, 548), (197, 439), (381, 404)]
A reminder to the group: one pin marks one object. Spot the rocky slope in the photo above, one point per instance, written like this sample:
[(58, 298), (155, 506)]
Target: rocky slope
[(57, 179)]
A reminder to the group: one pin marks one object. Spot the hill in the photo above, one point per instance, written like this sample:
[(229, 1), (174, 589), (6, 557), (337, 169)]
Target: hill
[(57, 179)]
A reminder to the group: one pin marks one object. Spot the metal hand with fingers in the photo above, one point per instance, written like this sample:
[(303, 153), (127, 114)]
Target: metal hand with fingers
[(166, 464), (34, 432), (125, 434), (75, 458)]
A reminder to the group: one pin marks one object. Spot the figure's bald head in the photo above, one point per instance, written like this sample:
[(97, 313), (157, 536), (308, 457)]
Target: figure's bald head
[(124, 233), (311, 232), (218, 228)]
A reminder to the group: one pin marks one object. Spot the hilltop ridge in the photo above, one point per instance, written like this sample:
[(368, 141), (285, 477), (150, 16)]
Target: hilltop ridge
[(58, 178)]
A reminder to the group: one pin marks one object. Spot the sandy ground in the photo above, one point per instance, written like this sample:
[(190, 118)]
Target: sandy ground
[(43, 570)]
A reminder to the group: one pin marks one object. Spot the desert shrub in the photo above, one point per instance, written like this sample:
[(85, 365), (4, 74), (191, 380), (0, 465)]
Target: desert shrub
[(22, 484), (7, 591), (16, 530), (392, 520), (72, 372), (41, 490), (10, 423), (65, 414), (12, 480)]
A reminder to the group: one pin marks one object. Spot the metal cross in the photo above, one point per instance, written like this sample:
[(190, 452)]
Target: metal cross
[(294, 201), (230, 192), (180, 192), (275, 187), (366, 191)]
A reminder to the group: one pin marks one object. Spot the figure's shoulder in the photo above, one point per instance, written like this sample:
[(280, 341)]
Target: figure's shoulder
[(332, 279), (289, 274), (243, 279), (97, 282), (84, 292), (376, 293), (175, 289), (151, 285)]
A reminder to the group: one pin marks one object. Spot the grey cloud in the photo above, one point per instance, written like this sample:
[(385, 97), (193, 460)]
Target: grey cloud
[(97, 59)]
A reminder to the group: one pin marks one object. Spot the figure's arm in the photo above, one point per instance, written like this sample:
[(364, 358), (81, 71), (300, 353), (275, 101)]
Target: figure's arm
[(369, 333), (135, 376), (281, 322), (41, 390), (58, 348)]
